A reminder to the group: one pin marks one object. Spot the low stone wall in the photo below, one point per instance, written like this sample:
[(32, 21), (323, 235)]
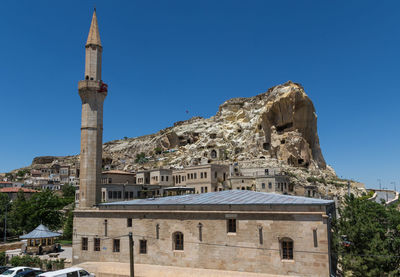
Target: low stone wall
[(11, 246), (110, 269)]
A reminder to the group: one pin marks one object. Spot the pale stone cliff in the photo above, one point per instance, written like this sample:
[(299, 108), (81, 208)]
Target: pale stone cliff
[(279, 124), (277, 128)]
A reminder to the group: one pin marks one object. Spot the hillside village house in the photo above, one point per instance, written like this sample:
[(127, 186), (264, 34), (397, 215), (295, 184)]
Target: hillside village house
[(12, 192), (227, 230)]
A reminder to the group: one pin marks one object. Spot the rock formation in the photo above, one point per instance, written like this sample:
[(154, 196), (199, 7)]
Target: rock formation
[(279, 124), (277, 128)]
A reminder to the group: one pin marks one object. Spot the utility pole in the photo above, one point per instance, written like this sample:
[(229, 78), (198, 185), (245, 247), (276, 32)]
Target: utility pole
[(131, 259), (380, 185)]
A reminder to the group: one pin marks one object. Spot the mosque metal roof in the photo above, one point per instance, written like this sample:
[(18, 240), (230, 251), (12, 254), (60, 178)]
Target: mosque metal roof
[(40, 232), (227, 197)]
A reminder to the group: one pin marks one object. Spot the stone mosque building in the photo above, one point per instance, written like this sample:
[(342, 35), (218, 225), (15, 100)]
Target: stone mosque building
[(236, 230)]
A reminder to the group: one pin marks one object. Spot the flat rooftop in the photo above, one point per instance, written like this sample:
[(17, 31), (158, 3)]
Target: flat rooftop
[(227, 197)]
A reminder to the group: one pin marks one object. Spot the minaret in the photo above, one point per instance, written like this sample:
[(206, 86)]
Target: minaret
[(92, 92)]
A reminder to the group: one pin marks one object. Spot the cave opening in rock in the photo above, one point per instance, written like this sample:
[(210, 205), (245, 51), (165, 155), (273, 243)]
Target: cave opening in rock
[(283, 141), (300, 161), (213, 136), (239, 130), (259, 127), (266, 145), (281, 128)]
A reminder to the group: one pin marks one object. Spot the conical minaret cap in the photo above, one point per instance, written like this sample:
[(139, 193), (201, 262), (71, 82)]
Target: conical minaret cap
[(94, 34)]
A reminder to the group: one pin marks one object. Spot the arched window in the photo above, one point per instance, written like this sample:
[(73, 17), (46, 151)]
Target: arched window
[(213, 154), (287, 248), (178, 240)]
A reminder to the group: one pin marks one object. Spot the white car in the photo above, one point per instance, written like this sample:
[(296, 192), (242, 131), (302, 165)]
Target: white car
[(15, 270), (69, 272)]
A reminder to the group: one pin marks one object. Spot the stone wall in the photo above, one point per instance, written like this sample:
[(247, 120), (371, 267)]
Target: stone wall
[(217, 249)]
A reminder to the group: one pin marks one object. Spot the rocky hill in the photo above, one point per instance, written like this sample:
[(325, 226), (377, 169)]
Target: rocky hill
[(280, 124), (277, 128)]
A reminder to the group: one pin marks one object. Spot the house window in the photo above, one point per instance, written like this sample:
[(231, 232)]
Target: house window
[(116, 245), (84, 244), (96, 244), (129, 222), (202, 189), (195, 175), (231, 225), (205, 174), (260, 234), (162, 178), (158, 231), (166, 178), (315, 237), (201, 175), (215, 174), (263, 185), (287, 249), (110, 195), (205, 189), (143, 246), (178, 241), (109, 180)]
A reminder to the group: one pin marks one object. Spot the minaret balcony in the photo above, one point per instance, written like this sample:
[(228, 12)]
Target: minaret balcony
[(93, 86)]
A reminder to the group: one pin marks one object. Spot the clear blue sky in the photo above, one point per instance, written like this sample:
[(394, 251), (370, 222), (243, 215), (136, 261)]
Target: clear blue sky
[(162, 58)]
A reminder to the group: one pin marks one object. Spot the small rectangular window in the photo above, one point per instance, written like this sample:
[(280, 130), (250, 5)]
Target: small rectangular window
[(116, 245), (205, 174), (110, 195), (143, 247), (315, 238), (129, 222), (202, 189), (96, 244), (205, 189), (287, 250), (263, 185), (162, 178), (84, 244), (231, 225), (201, 175)]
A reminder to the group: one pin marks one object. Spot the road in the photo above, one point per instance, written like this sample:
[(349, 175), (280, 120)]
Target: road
[(385, 195)]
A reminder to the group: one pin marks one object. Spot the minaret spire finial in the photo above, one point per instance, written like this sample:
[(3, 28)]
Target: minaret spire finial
[(94, 34)]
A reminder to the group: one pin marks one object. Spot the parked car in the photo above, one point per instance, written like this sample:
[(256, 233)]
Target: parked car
[(12, 272), (30, 273), (69, 272), (4, 268)]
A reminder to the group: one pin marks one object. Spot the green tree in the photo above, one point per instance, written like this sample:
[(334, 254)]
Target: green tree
[(4, 203), (141, 158), (68, 225), (3, 259), (68, 191), (19, 214), (43, 207), (367, 238)]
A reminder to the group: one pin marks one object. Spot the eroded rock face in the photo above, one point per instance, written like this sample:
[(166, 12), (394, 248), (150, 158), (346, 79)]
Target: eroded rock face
[(277, 128), (278, 124)]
